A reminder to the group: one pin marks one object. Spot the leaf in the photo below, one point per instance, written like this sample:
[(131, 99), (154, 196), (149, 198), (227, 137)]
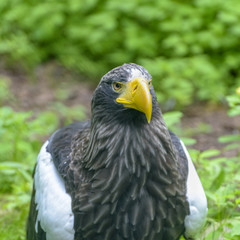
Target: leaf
[(209, 153), (188, 141), (171, 118), (235, 231), (217, 183), (232, 146), (229, 138), (11, 165)]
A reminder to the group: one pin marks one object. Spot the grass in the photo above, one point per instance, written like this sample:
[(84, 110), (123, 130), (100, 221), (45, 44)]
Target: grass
[(12, 221)]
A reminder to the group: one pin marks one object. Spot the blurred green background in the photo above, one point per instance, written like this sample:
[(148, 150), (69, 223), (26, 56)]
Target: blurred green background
[(191, 48)]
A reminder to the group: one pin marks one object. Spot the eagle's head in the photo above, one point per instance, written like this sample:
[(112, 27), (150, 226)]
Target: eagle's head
[(125, 93)]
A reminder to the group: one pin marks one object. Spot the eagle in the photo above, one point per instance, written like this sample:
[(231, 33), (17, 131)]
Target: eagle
[(121, 175)]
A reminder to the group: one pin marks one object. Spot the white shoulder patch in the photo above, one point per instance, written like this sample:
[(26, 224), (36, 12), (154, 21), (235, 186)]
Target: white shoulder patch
[(196, 198), (53, 203)]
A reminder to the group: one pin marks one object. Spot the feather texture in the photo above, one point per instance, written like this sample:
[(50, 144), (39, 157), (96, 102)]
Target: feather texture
[(51, 202), (196, 198)]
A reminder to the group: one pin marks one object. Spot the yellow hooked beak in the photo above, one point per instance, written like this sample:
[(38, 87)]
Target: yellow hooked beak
[(136, 94)]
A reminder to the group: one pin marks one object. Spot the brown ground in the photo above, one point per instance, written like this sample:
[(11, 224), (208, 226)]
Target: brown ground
[(36, 94), (219, 122)]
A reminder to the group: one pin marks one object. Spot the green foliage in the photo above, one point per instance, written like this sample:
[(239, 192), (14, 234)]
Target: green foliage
[(172, 119), (12, 222), (234, 103), (68, 114), (190, 47), (233, 140), (20, 134), (220, 179), (19, 146)]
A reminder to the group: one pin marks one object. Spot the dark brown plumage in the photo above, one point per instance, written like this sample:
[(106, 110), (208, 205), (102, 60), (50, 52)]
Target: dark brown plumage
[(126, 177)]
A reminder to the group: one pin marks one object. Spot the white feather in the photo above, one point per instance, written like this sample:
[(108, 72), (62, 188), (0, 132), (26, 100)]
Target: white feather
[(53, 203), (135, 73), (196, 198)]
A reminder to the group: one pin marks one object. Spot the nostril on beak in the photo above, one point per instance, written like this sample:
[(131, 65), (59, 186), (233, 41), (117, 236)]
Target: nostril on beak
[(135, 88)]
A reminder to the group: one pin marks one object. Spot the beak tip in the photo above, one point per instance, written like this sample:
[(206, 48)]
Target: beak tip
[(149, 119)]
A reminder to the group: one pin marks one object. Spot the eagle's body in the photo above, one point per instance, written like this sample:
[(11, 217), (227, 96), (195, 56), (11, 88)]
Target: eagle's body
[(122, 175)]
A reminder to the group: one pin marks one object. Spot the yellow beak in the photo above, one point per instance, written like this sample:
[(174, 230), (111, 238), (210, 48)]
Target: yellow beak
[(136, 95)]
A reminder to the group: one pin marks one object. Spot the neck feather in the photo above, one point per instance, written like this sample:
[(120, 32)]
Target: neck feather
[(132, 147)]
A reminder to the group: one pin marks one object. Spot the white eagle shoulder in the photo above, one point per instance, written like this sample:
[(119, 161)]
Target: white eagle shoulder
[(196, 198), (53, 203)]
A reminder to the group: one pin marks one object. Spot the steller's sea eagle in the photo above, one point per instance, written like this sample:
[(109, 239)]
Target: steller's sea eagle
[(121, 175)]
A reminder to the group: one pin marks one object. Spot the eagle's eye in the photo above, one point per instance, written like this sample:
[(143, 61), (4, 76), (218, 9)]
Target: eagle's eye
[(150, 83), (117, 86)]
